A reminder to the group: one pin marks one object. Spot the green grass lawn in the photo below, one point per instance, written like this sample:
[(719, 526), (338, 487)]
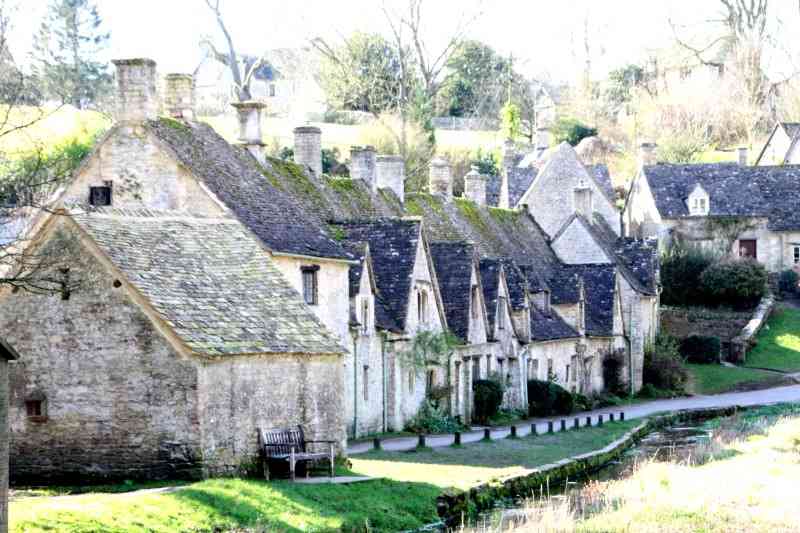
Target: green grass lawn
[(405, 499), (715, 379), (778, 342), (466, 466)]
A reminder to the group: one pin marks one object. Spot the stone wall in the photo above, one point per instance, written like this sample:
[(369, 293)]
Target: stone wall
[(683, 322), (238, 395), (118, 400)]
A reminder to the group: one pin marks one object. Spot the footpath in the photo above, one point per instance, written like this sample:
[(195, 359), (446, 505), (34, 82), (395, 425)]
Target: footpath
[(524, 427)]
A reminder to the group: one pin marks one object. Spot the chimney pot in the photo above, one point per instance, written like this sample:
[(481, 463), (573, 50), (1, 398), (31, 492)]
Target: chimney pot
[(475, 186), (390, 173), (439, 178), (742, 156), (308, 148), (179, 96), (137, 89)]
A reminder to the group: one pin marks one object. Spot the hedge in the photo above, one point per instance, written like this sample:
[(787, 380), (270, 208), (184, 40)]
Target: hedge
[(546, 398), (488, 397), (701, 349), (739, 283)]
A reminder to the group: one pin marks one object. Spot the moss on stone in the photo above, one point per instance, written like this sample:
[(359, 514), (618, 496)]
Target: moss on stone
[(176, 125), (337, 232), (297, 181), (503, 216), (472, 214)]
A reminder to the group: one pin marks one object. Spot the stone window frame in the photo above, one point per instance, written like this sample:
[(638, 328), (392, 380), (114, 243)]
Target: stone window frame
[(103, 192), (365, 314), (36, 408), (501, 315), (473, 300), (309, 275), (365, 383), (422, 305)]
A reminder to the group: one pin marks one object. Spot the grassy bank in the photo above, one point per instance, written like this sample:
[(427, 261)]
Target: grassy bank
[(716, 379), (404, 499), (744, 479), (778, 343)]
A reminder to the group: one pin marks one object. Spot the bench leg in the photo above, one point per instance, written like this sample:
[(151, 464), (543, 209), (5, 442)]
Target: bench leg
[(266, 469), (331, 459), (292, 464)]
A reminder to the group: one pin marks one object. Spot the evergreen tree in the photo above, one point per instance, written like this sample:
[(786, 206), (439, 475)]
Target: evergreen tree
[(65, 53)]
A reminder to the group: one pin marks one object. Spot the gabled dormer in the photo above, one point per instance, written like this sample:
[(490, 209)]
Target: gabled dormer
[(362, 292), (698, 202)]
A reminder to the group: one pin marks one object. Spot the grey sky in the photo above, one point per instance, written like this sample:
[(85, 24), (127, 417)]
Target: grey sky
[(547, 36)]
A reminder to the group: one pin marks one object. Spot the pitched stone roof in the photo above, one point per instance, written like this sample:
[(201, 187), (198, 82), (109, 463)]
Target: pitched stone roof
[(599, 282), (393, 249), (453, 262), (549, 326), (734, 190), (254, 194), (519, 180), (210, 281), (602, 176)]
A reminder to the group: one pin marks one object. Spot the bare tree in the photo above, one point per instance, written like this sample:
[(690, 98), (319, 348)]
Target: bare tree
[(241, 72)]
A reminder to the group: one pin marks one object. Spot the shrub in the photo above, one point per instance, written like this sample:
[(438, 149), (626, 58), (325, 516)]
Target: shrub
[(663, 365), (571, 130), (613, 380), (432, 419), (739, 283), (787, 282), (652, 392), (681, 268), (488, 397), (546, 398), (701, 349), (582, 403)]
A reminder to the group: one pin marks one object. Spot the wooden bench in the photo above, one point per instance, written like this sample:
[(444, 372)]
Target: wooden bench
[(289, 445)]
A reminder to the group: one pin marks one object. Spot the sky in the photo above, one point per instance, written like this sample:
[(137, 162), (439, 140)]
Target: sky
[(544, 36)]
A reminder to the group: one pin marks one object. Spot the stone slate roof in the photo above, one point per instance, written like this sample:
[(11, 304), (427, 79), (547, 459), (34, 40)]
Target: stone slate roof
[(393, 249), (490, 283), (549, 326), (453, 262), (599, 282), (210, 281), (734, 190), (254, 194), (602, 176), (519, 180)]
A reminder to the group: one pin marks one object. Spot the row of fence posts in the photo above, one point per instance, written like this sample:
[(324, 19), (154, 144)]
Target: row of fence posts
[(487, 432)]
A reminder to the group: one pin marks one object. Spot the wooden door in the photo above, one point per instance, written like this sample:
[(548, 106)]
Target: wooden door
[(747, 248)]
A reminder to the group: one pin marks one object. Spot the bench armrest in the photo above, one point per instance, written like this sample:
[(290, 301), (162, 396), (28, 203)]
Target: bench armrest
[(279, 445), (320, 442)]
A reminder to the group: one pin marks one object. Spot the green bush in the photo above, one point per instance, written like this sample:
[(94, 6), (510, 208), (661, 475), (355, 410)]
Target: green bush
[(613, 380), (571, 130), (739, 283), (787, 282), (488, 395), (664, 367), (546, 398), (582, 403), (652, 392), (701, 349), (681, 268), (432, 419)]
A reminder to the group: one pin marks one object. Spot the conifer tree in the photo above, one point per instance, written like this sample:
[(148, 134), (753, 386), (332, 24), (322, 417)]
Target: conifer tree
[(65, 53)]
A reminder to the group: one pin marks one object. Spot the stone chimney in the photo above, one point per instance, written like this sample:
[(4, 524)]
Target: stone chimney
[(362, 165), (742, 156), (542, 139), (179, 96), (390, 173), (509, 156), (249, 113), (647, 154), (137, 90), (308, 148), (582, 194), (439, 179), (475, 186)]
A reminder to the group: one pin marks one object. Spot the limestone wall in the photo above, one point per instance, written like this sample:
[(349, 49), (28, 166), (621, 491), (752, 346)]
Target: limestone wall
[(240, 394), (119, 402)]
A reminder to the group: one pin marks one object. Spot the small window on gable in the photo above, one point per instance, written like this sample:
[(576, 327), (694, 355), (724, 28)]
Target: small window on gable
[(412, 378), (100, 195), (272, 89), (473, 299), (796, 256), (366, 323), (430, 380), (422, 306), (310, 289), (366, 383), (501, 312)]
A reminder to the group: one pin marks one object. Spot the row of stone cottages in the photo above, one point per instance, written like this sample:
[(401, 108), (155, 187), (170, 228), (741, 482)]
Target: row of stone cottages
[(208, 290)]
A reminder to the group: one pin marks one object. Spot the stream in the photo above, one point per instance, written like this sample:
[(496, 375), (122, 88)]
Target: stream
[(668, 443)]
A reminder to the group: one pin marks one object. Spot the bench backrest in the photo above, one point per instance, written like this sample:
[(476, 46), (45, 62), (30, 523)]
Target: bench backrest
[(281, 440)]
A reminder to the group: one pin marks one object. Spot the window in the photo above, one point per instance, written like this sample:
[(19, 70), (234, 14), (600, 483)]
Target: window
[(365, 321), (476, 368), (473, 299), (458, 386), (310, 289), (796, 255), (549, 369), (500, 364), (533, 372), (422, 306), (35, 409), (272, 89), (366, 383), (566, 375), (488, 365), (411, 380), (101, 195), (501, 312), (430, 380)]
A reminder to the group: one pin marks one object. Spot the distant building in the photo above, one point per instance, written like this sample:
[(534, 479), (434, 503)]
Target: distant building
[(782, 146)]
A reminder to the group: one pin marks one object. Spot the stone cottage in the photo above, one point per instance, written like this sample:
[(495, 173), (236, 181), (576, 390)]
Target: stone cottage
[(727, 208), (7, 354)]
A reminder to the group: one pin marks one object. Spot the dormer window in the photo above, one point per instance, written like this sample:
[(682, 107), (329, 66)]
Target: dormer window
[(100, 195), (310, 289), (698, 201)]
